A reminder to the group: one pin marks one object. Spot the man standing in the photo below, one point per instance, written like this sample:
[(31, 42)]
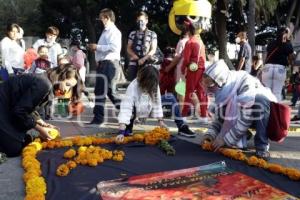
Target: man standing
[(245, 57), (107, 54)]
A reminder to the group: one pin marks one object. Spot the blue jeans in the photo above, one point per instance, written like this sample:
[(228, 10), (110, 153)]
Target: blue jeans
[(261, 113), (169, 99)]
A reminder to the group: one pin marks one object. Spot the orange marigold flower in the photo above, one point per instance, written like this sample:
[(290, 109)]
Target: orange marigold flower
[(262, 163), (292, 173), (253, 161), (207, 146), (70, 153), (35, 197), (92, 162), (275, 168), (62, 170), (71, 164)]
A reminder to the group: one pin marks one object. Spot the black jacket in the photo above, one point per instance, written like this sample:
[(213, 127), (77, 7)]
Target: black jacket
[(20, 96)]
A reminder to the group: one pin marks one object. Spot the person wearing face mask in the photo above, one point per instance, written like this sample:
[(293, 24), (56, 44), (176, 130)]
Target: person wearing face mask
[(50, 42), (12, 53), (240, 101), (20, 98), (107, 54), (142, 44), (279, 56), (245, 55), (41, 64)]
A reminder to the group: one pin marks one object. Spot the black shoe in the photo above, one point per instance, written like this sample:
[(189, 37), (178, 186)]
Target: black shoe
[(94, 121), (185, 131), (295, 118)]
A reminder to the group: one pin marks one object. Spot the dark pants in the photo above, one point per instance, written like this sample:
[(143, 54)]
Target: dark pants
[(132, 72), (296, 95), (170, 100), (129, 126), (106, 81)]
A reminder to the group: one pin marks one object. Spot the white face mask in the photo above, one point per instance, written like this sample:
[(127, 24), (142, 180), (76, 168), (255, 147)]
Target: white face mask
[(50, 40), (237, 40)]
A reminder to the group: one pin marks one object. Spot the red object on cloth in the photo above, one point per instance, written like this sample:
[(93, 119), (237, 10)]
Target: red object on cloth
[(279, 121), (167, 80)]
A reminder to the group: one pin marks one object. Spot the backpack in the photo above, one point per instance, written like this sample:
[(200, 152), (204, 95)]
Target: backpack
[(279, 121)]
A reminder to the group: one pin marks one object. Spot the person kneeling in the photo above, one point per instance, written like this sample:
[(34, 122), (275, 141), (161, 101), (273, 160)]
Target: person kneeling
[(240, 102)]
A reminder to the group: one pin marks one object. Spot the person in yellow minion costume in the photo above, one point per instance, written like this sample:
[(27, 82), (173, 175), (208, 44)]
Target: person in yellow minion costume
[(196, 11)]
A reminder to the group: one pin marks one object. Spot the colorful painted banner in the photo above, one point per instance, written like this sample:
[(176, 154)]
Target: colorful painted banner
[(213, 181)]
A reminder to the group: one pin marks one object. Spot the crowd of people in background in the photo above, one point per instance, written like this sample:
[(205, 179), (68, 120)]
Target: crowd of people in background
[(152, 81)]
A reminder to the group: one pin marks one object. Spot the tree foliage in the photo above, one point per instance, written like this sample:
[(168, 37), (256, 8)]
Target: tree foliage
[(24, 12)]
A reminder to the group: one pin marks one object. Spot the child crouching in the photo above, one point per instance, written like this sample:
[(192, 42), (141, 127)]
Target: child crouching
[(141, 100)]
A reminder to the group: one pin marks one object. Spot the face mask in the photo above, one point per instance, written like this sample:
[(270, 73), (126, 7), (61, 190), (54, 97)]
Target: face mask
[(141, 25), (237, 40), (212, 90), (50, 40)]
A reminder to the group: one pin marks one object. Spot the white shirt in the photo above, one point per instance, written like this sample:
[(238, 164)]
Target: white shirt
[(54, 50), (143, 103), (12, 54), (109, 44), (178, 52)]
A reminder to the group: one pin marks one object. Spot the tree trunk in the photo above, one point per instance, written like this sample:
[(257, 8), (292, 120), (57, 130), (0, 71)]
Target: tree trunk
[(251, 25), (291, 12), (90, 32), (296, 25), (221, 31)]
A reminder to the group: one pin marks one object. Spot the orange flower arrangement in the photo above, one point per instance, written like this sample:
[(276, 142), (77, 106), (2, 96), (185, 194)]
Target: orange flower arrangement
[(85, 156), (154, 136), (292, 173), (35, 184)]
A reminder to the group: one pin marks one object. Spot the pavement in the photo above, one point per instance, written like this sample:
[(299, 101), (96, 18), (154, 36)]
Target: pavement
[(286, 153)]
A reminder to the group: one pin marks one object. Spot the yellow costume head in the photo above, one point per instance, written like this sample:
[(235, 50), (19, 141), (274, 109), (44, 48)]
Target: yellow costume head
[(196, 11)]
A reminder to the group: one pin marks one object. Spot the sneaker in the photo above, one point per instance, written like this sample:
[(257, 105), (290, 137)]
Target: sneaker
[(185, 131), (263, 154), (203, 119)]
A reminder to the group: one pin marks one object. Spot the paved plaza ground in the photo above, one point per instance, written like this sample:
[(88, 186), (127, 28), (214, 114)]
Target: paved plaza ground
[(12, 187)]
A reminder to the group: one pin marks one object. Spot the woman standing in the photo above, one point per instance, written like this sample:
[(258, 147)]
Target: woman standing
[(12, 52), (279, 56)]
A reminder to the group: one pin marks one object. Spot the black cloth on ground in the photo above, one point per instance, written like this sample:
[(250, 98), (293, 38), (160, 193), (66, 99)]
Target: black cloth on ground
[(140, 159)]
